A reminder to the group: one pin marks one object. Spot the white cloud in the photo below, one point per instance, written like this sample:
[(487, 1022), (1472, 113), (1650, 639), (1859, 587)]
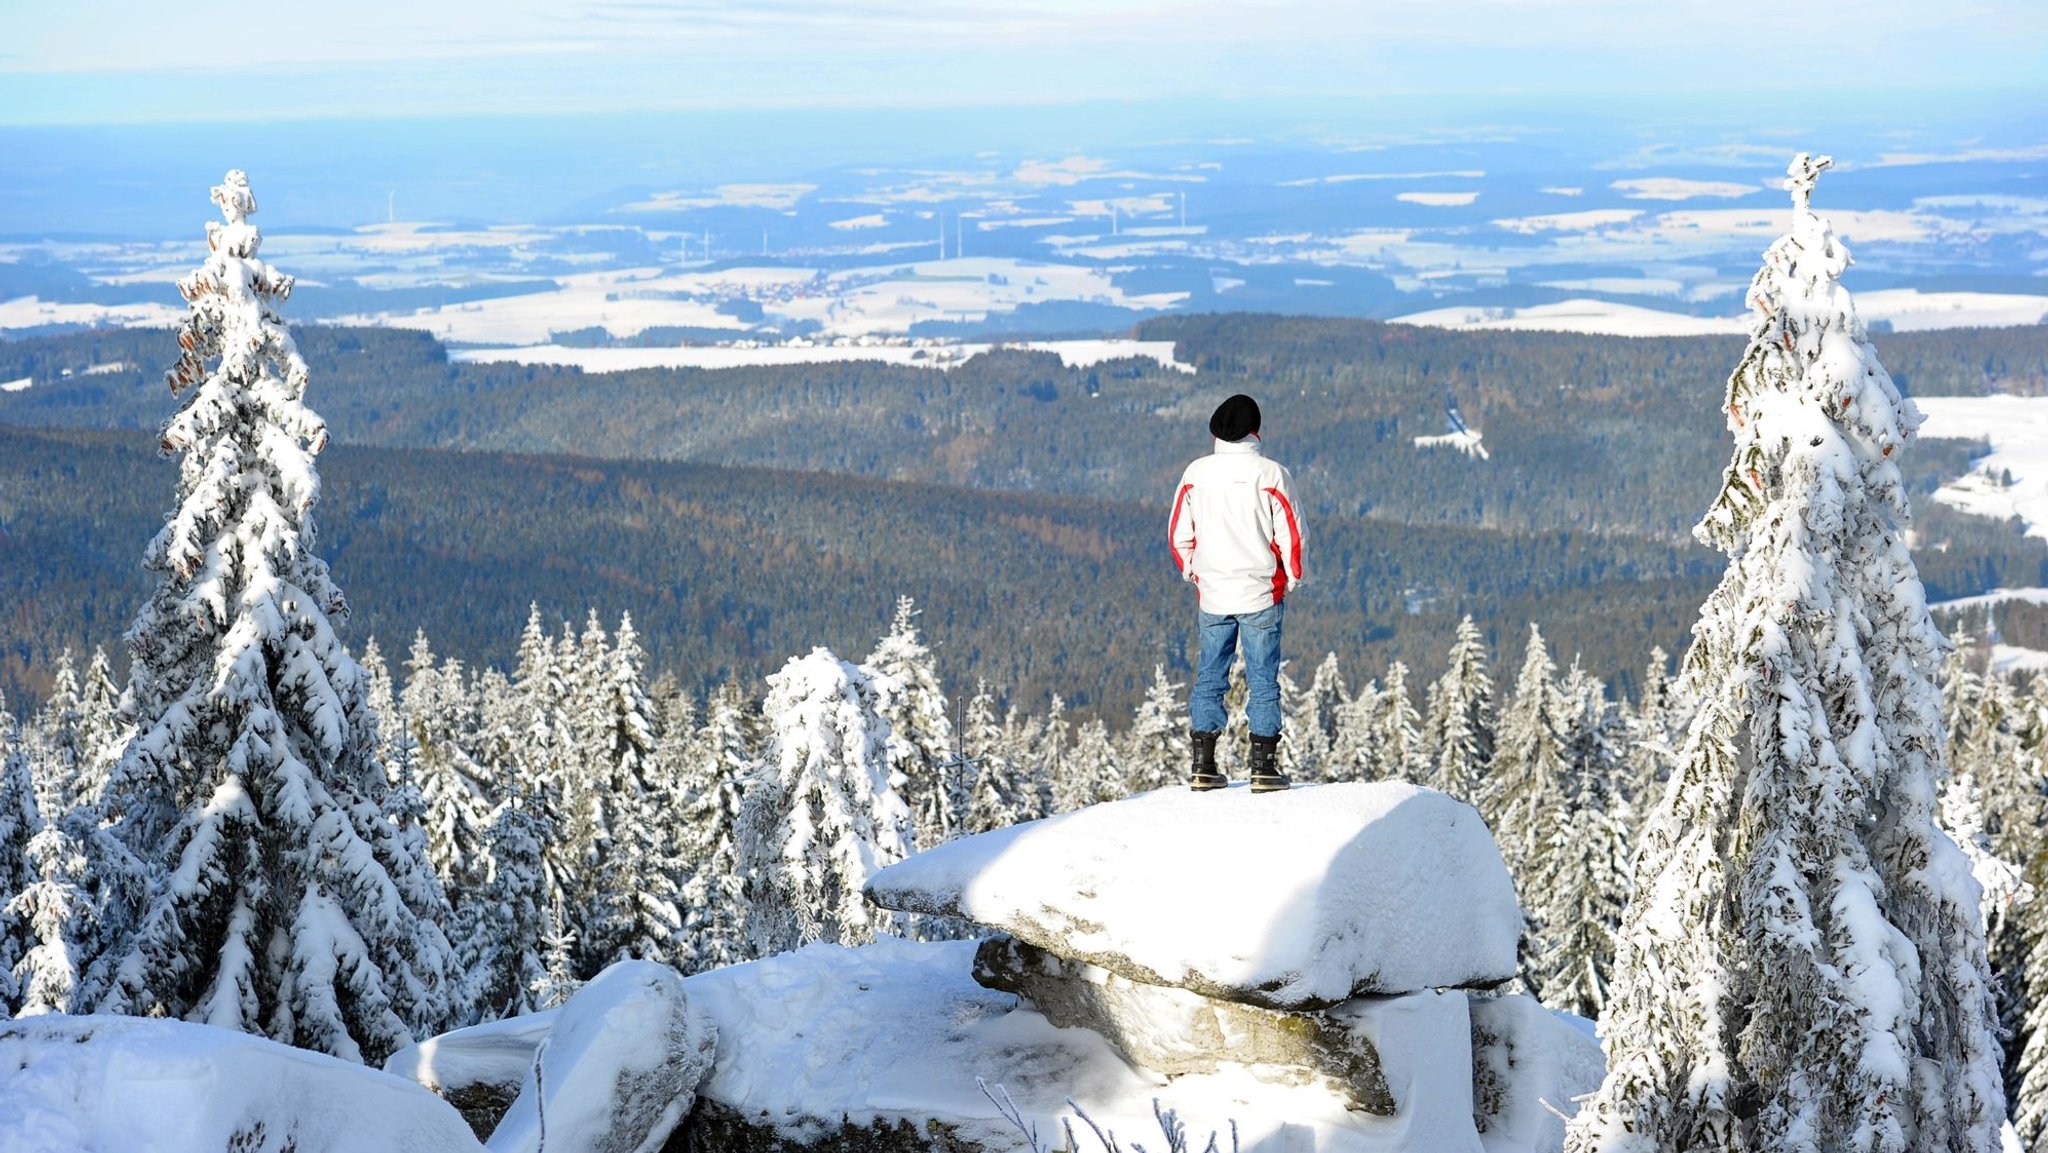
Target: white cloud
[(1964, 156), (1439, 199)]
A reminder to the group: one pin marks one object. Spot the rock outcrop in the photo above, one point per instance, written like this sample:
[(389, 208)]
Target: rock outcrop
[(1295, 900), (1324, 938), (1175, 1032), (618, 1069), (1303, 971), (478, 1069)]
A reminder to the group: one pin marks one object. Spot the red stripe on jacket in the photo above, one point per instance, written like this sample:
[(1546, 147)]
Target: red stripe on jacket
[(1293, 532), (1173, 526)]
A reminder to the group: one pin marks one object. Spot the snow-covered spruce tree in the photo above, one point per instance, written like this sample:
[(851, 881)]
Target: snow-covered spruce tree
[(1155, 752), (1458, 730), (918, 717), (1802, 967), (819, 817), (440, 725), (994, 800), (382, 698), (1078, 772), (558, 981), (1652, 728), (2027, 1049), (1986, 746), (251, 781), (19, 824), (1023, 743), (529, 749), (504, 925), (56, 736), (1312, 719), (1580, 869), (1521, 796), (1052, 739), (55, 909), (1397, 729), (635, 909), (1095, 766), (714, 904)]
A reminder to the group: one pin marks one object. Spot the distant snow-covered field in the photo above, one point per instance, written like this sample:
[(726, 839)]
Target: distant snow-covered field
[(1905, 309), (1594, 317), (33, 312), (880, 300), (1072, 353)]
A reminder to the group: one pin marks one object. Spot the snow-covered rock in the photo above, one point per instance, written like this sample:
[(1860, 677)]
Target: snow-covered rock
[(478, 1069), (618, 1069), (1292, 900), (1175, 1032), (1529, 1064), (880, 1048), (107, 1084)]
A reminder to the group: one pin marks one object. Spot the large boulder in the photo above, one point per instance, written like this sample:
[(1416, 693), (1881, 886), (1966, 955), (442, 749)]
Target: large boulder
[(1295, 900), (618, 1069), (478, 1069), (885, 1048), (105, 1084), (1175, 1032)]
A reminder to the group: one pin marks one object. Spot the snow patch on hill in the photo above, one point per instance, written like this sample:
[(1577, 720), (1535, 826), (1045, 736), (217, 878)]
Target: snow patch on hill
[(1910, 310), (1596, 317), (35, 312), (1905, 309), (2012, 480), (1466, 442)]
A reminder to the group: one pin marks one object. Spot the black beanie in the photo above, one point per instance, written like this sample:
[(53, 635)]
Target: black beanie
[(1235, 418)]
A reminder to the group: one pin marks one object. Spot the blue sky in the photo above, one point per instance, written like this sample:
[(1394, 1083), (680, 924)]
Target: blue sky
[(137, 61)]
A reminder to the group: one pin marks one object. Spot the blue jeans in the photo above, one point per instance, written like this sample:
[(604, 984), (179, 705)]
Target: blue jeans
[(1260, 632)]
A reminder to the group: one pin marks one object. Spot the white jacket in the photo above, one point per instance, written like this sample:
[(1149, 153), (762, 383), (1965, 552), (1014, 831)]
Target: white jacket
[(1234, 530)]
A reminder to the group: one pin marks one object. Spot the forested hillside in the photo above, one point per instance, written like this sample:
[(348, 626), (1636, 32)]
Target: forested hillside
[(1595, 433), (732, 570), (1031, 531)]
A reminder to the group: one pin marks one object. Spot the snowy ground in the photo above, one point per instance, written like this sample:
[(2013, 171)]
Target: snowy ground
[(116, 1084), (926, 354)]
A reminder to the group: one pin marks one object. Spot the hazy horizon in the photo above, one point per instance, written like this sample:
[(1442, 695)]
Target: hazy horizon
[(131, 61)]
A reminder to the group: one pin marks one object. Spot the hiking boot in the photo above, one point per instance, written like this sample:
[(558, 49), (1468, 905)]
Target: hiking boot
[(1204, 775), (1265, 765)]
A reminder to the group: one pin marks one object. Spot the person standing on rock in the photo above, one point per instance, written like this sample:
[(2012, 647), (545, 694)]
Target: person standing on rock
[(1236, 538)]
